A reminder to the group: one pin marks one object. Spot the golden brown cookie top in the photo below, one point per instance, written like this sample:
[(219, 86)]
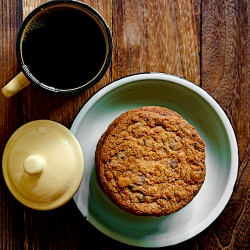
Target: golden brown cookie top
[(151, 161)]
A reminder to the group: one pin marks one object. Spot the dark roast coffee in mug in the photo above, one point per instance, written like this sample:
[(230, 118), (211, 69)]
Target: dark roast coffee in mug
[(63, 46)]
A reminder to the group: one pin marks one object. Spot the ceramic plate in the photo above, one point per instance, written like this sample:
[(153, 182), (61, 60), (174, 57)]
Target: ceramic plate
[(198, 108)]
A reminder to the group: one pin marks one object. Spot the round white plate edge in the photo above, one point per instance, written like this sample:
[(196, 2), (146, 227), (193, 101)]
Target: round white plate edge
[(231, 137)]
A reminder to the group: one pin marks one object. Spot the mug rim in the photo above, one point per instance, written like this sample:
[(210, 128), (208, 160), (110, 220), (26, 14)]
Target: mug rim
[(93, 13)]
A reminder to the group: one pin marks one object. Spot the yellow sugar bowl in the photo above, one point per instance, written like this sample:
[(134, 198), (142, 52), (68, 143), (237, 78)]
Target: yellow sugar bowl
[(43, 164)]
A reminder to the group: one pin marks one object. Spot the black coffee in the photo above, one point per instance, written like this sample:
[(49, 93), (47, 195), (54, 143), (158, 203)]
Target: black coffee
[(64, 48)]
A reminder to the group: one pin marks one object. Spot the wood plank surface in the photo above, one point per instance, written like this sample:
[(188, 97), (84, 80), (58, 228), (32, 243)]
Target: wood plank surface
[(204, 41), (225, 75)]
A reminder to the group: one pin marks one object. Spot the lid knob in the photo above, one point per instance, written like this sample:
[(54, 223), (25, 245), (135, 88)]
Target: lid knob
[(33, 165)]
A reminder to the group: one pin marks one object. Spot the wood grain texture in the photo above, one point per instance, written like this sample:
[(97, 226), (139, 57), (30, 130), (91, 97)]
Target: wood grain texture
[(205, 41), (225, 75), (11, 223), (154, 38)]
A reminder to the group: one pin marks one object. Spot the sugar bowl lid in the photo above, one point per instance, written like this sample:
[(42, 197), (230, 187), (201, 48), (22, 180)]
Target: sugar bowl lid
[(43, 164)]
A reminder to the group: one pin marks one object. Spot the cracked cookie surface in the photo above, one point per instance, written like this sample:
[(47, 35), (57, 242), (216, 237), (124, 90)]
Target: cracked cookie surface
[(150, 161)]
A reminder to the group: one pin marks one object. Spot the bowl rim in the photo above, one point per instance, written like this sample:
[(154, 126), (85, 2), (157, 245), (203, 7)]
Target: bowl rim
[(232, 177)]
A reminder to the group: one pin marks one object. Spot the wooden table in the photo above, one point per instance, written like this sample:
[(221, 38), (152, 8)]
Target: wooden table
[(206, 42)]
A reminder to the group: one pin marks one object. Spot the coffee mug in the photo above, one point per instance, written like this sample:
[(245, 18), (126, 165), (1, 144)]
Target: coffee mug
[(62, 46)]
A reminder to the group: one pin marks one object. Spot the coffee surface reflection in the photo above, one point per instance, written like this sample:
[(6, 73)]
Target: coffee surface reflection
[(63, 47)]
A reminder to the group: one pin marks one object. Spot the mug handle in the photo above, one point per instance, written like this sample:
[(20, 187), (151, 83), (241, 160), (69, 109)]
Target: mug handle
[(15, 85)]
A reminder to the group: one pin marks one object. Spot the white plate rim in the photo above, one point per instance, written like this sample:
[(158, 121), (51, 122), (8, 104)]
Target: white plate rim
[(225, 121)]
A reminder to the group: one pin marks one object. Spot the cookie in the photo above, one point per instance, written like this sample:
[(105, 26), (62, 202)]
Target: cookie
[(150, 161)]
